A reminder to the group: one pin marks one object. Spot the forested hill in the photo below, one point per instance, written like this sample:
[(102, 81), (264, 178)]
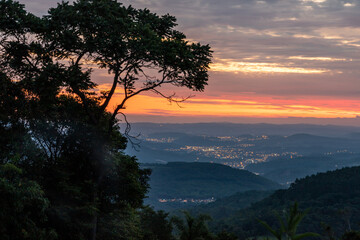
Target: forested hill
[(225, 207), (201, 181), (285, 170), (332, 197)]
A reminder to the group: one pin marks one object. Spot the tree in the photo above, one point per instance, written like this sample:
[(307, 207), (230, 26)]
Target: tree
[(141, 50), (23, 206), (58, 123), (223, 235), (289, 227), (193, 228), (351, 235), (155, 225)]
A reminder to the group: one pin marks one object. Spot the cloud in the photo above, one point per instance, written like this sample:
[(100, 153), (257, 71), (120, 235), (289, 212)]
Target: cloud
[(249, 67), (277, 49)]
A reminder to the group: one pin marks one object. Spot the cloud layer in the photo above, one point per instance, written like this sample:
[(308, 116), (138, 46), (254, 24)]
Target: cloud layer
[(277, 37), (292, 50)]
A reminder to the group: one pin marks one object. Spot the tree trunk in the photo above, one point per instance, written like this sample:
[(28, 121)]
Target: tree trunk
[(94, 228)]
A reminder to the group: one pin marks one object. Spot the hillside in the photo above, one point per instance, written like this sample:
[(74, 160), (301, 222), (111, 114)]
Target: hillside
[(225, 207), (332, 197), (286, 170), (179, 180), (308, 144)]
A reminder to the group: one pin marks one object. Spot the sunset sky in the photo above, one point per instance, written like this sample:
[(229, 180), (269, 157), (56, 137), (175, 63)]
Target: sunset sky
[(274, 61)]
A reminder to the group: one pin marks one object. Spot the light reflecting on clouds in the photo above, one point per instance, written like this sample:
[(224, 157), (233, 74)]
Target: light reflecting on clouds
[(249, 67), (292, 50)]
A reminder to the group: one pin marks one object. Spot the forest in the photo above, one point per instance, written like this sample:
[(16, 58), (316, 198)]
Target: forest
[(64, 174), (332, 210)]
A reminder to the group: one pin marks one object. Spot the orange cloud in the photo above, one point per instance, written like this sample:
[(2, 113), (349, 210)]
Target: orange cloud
[(250, 67), (257, 107)]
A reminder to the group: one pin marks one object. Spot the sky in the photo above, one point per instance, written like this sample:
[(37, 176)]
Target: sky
[(276, 61)]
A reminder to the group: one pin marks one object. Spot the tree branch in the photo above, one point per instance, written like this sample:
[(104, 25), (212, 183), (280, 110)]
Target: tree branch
[(135, 142), (79, 58), (83, 98), (127, 97), (171, 98), (121, 105), (112, 91)]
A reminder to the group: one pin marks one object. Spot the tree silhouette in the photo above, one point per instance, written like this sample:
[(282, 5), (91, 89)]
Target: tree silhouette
[(57, 122), (140, 50)]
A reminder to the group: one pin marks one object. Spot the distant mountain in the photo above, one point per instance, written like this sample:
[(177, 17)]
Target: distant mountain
[(286, 170), (306, 144), (199, 181), (157, 154), (279, 158), (333, 199), (160, 152), (236, 129)]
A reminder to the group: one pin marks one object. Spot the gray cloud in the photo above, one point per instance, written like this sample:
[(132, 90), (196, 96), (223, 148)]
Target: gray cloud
[(271, 31)]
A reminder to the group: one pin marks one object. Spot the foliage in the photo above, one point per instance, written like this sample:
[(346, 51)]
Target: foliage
[(55, 123), (23, 206), (155, 225), (289, 227), (352, 235), (334, 199), (223, 235), (120, 224), (195, 228), (192, 228), (131, 44)]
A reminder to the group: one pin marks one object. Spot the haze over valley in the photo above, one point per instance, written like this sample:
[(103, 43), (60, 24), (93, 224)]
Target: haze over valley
[(280, 153)]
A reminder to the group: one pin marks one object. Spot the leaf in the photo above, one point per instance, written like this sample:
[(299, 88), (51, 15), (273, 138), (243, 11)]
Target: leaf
[(273, 232), (304, 235)]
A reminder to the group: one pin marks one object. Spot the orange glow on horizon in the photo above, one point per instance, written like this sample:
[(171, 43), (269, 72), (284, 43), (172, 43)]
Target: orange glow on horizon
[(262, 107)]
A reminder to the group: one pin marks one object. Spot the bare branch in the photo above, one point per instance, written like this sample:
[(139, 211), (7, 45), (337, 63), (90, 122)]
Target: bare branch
[(149, 86), (172, 98), (31, 64), (134, 140), (121, 105)]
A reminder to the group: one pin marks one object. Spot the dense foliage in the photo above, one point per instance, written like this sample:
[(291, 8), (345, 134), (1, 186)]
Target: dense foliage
[(289, 224), (63, 173), (195, 228), (333, 200)]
